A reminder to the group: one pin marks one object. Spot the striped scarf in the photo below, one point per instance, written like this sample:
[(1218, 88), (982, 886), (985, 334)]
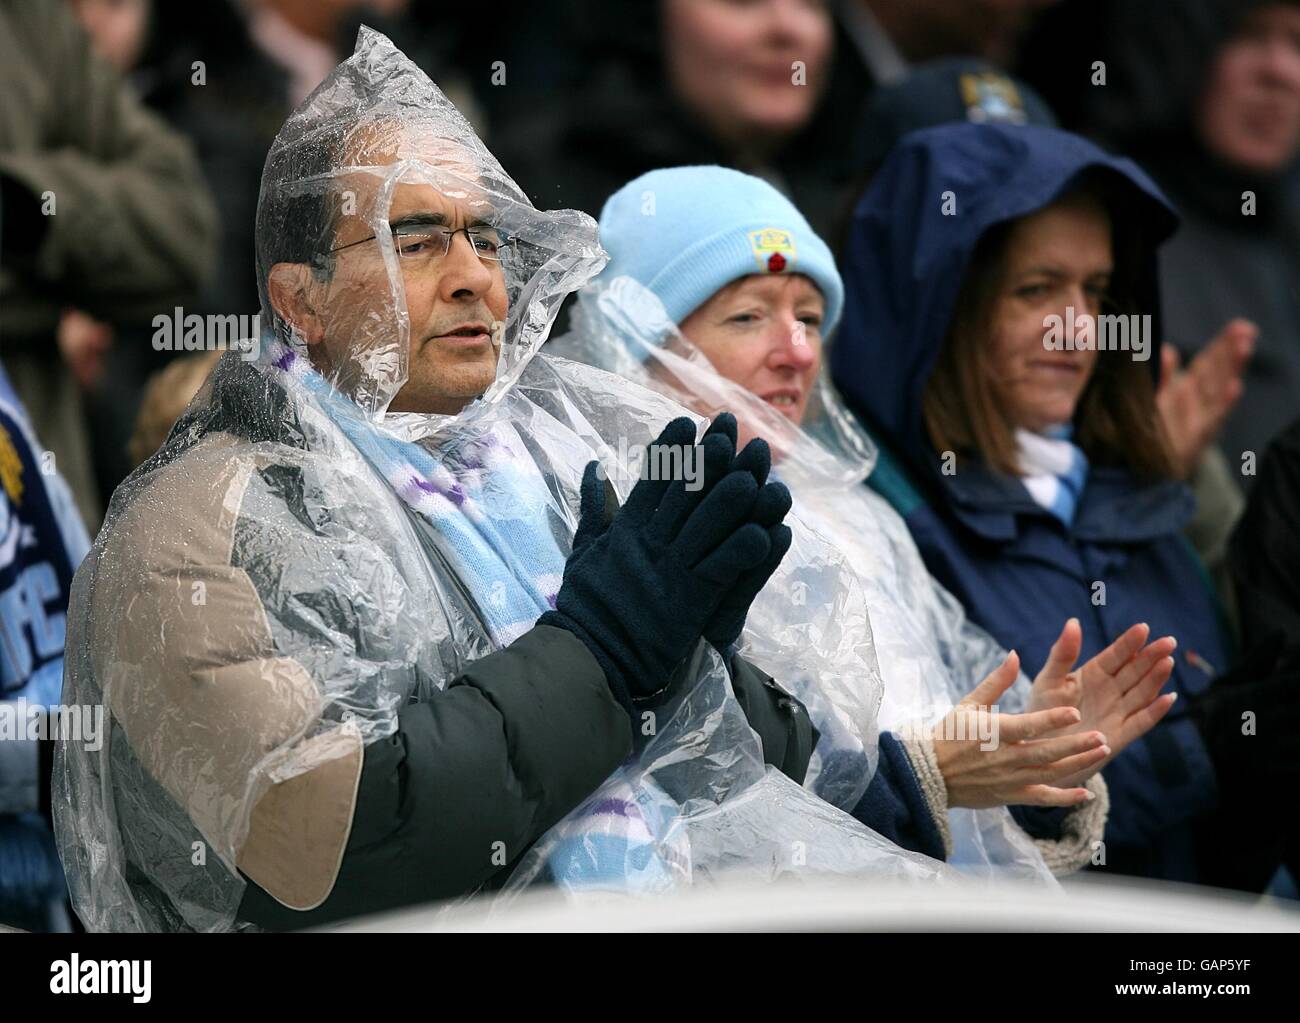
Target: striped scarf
[(489, 507), (483, 495), (1053, 470)]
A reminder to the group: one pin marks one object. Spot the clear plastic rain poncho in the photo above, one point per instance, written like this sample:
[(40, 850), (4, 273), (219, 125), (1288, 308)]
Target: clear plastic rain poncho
[(930, 655), (299, 561)]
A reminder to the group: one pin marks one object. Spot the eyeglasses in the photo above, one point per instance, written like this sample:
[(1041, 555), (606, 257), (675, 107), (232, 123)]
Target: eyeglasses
[(420, 244)]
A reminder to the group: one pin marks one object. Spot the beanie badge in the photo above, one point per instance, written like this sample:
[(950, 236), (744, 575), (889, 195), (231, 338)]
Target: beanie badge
[(773, 249)]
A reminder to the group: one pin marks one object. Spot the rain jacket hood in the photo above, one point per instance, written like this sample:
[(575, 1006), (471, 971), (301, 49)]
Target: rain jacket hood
[(914, 233)]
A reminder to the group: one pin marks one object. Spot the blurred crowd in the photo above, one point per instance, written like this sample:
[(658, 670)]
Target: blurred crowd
[(134, 134), (577, 100)]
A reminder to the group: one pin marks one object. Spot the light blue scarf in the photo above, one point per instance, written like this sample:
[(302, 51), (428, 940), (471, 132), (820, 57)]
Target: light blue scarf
[(1053, 469), (483, 495)]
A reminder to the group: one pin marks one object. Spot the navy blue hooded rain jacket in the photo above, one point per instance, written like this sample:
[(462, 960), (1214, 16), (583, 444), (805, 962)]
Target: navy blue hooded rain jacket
[(1018, 570)]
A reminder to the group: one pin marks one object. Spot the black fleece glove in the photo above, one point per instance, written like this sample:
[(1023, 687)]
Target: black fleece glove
[(770, 508), (640, 591), (1262, 751)]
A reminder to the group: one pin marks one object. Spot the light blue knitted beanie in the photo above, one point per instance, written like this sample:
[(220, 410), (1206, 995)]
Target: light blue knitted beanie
[(686, 232)]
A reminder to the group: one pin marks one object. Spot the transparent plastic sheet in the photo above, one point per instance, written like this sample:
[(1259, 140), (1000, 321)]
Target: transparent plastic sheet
[(930, 655), (266, 594)]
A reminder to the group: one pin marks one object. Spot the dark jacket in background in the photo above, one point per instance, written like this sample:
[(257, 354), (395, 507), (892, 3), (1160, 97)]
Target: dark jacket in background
[(1264, 559), (1018, 572), (132, 233), (1265, 549)]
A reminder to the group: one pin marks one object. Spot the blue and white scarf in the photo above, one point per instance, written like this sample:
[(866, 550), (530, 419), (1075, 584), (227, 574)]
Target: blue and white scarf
[(1053, 469), (483, 495)]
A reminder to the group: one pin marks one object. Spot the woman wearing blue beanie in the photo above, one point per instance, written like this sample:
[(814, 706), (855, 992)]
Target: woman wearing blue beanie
[(718, 293)]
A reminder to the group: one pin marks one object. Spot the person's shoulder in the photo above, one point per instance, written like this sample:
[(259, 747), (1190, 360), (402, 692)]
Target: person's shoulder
[(185, 510)]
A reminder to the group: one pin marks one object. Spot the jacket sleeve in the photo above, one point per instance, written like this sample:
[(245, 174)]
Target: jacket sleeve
[(279, 671), (472, 777), (1264, 553), (134, 229), (1162, 781), (1067, 837), (906, 801), (780, 720)]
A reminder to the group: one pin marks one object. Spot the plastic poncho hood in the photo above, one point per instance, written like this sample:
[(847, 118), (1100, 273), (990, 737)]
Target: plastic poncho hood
[(376, 134), (298, 562), (913, 235)]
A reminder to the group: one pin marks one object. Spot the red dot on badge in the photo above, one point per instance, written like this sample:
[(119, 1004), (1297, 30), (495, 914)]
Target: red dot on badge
[(775, 263)]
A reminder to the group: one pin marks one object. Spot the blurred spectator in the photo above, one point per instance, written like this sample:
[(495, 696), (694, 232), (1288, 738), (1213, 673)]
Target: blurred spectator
[(942, 91), (877, 42), (166, 396), (41, 543), (118, 28), (688, 82), (1266, 550), (1265, 567), (936, 92), (103, 210), (888, 35), (1205, 94), (514, 75)]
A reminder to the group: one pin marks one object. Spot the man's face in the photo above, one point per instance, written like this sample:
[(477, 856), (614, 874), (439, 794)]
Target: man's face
[(455, 301)]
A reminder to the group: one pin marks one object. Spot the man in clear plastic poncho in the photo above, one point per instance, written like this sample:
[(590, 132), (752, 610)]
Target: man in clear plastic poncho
[(371, 630), (718, 293)]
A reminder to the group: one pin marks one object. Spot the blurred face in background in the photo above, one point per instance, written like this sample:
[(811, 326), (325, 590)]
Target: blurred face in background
[(763, 331), (731, 63), (117, 28), (1056, 258), (1250, 115), (321, 18)]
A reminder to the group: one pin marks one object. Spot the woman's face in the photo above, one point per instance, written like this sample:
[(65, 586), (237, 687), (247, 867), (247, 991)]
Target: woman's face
[(764, 332), (1058, 263), (733, 62)]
